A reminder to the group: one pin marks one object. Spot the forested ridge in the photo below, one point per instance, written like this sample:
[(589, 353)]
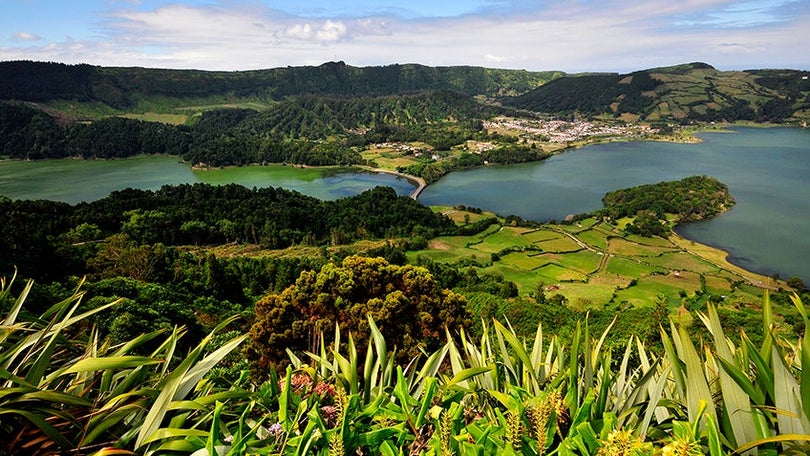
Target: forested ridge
[(123, 88)]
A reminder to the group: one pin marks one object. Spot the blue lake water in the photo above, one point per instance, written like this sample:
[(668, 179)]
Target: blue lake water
[(767, 170)]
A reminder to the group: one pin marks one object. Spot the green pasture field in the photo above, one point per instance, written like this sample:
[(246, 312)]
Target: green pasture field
[(504, 238), (625, 247), (584, 261), (526, 262), (559, 245), (174, 119), (542, 235), (526, 280), (388, 157), (258, 175), (683, 280), (584, 296), (654, 241), (594, 237), (629, 267), (458, 216), (683, 261), (559, 273), (610, 279), (580, 225), (610, 268), (717, 285), (639, 295)]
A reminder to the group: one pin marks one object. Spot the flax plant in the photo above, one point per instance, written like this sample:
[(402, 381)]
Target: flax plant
[(65, 390)]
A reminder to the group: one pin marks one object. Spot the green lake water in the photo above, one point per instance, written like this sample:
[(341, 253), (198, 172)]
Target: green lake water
[(767, 170), (73, 181)]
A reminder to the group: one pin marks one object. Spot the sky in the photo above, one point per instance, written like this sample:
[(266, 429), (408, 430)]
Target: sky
[(571, 35)]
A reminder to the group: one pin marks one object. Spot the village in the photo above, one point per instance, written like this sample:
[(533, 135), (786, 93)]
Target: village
[(564, 131)]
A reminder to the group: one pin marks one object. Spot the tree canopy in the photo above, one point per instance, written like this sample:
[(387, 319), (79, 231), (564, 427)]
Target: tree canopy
[(407, 304)]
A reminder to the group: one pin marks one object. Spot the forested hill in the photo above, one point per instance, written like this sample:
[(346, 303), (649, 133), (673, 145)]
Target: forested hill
[(124, 88), (689, 92)]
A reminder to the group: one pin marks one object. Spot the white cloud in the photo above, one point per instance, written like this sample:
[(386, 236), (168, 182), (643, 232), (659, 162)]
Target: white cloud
[(331, 31), (324, 32), (25, 36), (611, 36), (303, 32)]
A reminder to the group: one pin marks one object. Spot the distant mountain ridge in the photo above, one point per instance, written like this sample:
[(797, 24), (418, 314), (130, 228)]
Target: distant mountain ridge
[(687, 92)]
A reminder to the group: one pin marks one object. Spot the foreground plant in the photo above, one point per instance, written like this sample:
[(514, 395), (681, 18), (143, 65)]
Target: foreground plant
[(64, 390)]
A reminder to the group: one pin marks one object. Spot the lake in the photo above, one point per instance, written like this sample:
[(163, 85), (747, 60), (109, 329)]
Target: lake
[(73, 181), (767, 170)]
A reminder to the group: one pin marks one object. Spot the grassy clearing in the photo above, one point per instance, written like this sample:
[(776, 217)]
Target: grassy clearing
[(504, 238), (542, 235), (584, 261), (629, 267), (683, 261), (559, 273), (173, 119), (625, 247), (596, 238), (525, 262), (563, 244)]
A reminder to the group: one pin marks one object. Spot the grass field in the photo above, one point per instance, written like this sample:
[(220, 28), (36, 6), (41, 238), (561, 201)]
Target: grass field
[(174, 119), (592, 264), (558, 245), (594, 237), (542, 235)]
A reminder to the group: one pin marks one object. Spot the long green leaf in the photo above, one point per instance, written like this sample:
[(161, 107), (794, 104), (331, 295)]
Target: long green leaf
[(736, 401), (101, 364)]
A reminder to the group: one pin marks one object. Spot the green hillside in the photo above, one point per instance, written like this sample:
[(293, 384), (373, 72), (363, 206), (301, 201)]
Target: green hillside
[(690, 92)]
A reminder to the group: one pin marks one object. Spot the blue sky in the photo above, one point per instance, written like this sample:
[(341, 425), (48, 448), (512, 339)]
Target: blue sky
[(572, 36)]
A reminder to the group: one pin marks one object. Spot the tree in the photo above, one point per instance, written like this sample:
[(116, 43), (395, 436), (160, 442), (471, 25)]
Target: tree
[(405, 302), (796, 283)]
